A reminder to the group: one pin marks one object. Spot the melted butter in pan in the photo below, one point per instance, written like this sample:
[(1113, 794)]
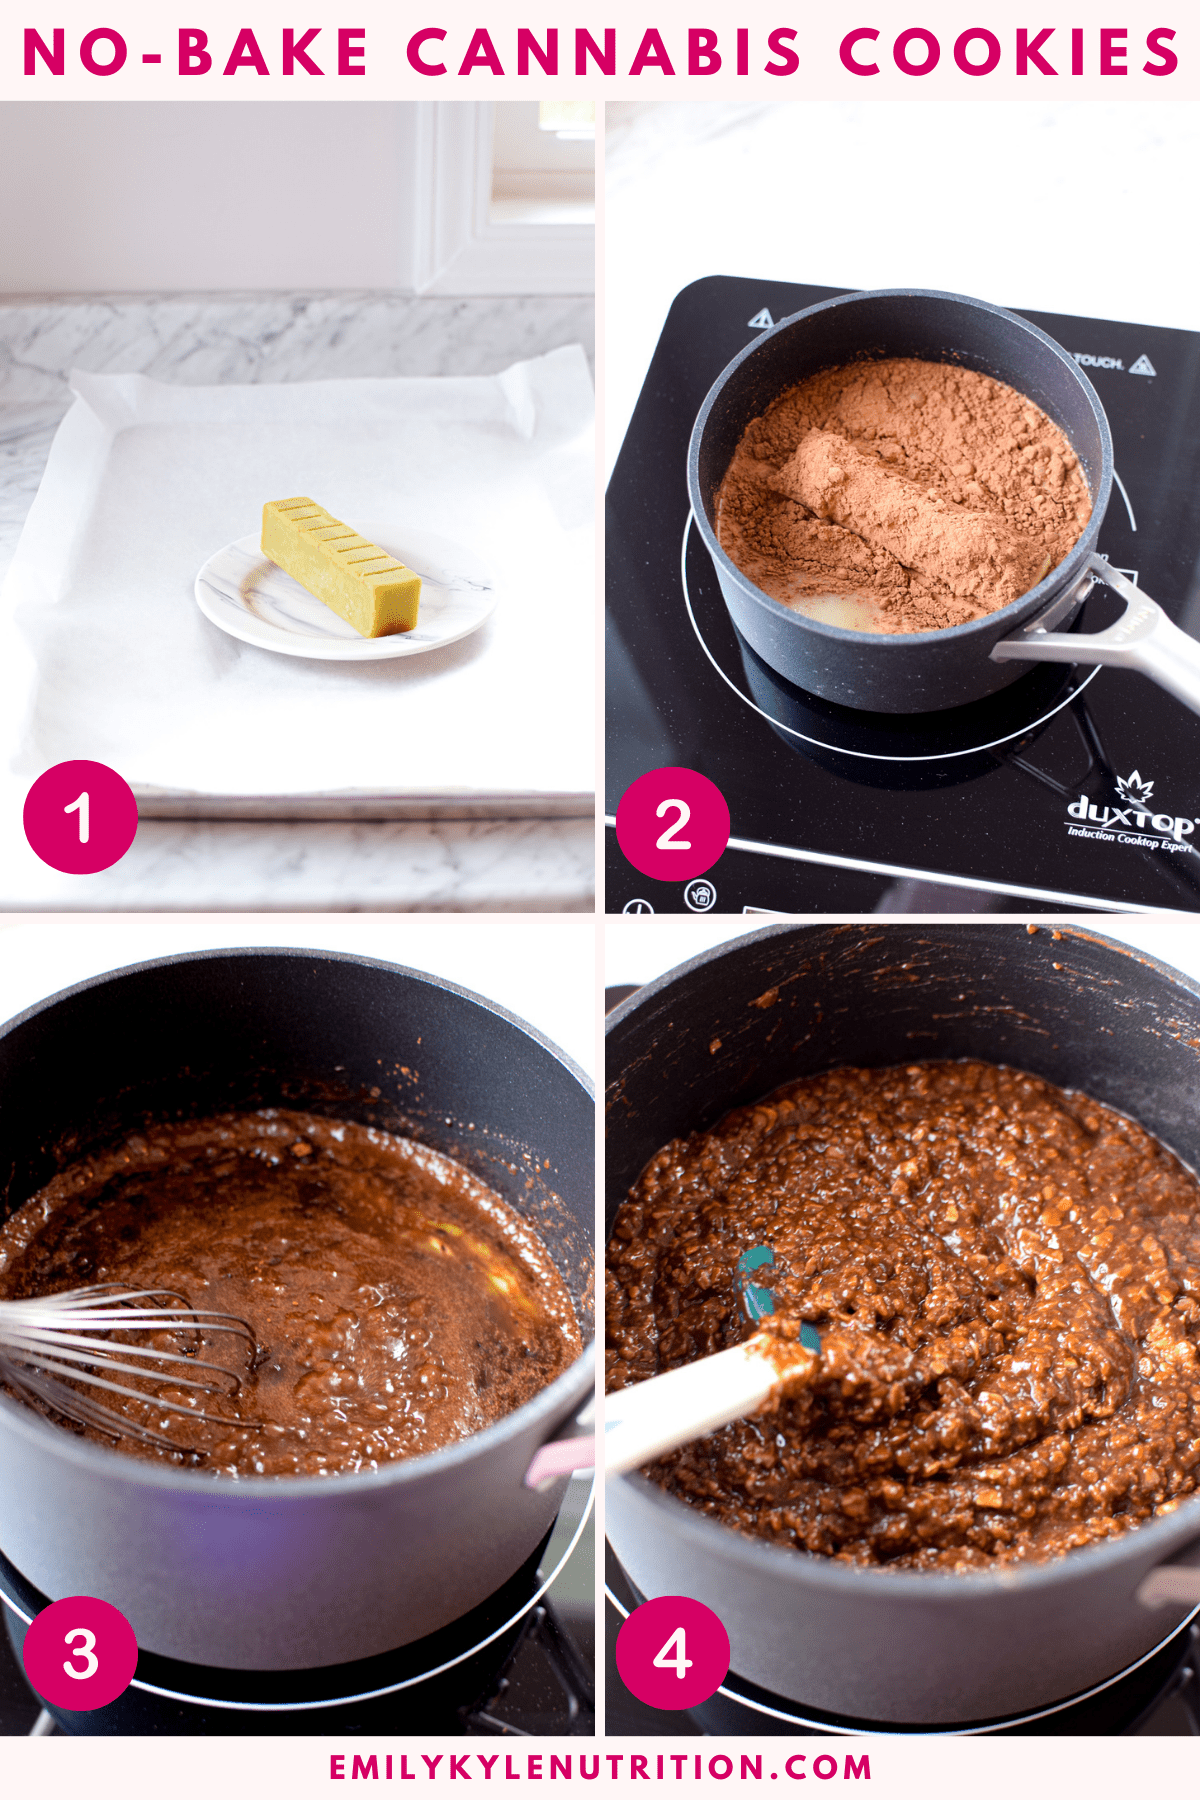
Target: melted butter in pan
[(399, 1304)]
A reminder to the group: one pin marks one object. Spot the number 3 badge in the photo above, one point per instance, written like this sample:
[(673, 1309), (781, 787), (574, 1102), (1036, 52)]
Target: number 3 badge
[(80, 1653), (672, 824), (672, 1653)]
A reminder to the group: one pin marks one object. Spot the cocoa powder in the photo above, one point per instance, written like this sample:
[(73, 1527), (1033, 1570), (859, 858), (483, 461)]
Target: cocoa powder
[(900, 495)]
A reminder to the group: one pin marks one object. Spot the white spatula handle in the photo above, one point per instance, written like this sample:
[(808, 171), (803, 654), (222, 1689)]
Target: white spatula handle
[(644, 1422)]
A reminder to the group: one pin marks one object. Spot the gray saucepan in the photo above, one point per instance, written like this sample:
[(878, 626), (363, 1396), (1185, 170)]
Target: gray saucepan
[(303, 1574), (928, 671)]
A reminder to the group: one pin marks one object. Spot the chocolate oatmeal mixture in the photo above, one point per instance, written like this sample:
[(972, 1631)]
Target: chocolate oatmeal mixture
[(900, 496), (398, 1303), (1006, 1281)]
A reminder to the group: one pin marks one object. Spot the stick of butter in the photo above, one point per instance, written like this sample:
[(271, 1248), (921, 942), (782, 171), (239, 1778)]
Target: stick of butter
[(355, 578)]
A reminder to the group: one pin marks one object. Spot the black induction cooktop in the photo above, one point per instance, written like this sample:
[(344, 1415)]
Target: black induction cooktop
[(1073, 788), (1157, 1697), (516, 1665)]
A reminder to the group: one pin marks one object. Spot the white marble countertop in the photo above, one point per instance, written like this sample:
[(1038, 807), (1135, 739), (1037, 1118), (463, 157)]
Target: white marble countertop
[(442, 864)]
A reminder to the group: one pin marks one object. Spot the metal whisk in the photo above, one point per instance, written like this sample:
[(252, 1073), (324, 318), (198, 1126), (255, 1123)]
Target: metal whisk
[(51, 1344)]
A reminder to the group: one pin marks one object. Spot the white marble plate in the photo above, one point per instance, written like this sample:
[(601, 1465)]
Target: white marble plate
[(246, 595)]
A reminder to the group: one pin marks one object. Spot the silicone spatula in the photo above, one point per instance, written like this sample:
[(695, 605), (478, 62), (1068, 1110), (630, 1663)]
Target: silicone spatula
[(645, 1421)]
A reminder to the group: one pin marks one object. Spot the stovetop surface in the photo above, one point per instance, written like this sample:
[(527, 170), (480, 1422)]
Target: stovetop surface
[(1155, 1701), (532, 1695), (515, 1665), (979, 796)]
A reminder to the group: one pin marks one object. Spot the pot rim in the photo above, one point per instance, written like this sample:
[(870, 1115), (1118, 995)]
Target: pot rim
[(633, 1002), (1025, 604), (939, 1587), (363, 1484)]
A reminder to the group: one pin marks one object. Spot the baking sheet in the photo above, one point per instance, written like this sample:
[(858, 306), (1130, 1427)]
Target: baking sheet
[(104, 653)]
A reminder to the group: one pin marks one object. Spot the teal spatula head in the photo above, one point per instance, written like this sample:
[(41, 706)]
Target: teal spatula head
[(758, 1301)]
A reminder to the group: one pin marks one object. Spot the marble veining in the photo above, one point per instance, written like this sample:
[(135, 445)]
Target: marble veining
[(467, 865), (448, 865), (204, 339)]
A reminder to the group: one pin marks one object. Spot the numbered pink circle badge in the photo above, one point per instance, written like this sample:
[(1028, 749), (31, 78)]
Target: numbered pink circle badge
[(80, 817), (672, 824), (80, 1653), (673, 1652)]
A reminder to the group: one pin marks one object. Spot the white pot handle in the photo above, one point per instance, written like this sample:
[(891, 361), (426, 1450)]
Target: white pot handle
[(1143, 638), (562, 1456), (1173, 1583)]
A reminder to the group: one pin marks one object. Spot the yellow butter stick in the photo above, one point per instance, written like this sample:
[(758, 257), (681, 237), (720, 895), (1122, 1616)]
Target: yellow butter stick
[(356, 579)]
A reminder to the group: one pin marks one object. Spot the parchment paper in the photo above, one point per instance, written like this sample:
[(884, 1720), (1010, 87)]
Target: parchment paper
[(104, 653)]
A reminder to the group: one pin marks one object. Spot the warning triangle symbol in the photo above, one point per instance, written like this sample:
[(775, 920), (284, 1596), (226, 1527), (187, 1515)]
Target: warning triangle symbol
[(1143, 366), (762, 319)]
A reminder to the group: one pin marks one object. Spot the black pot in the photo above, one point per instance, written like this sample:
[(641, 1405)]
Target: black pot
[(907, 752), (293, 1574), (904, 1647), (918, 671)]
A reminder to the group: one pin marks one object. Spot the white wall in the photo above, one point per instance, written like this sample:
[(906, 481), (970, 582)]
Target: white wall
[(133, 198), (1064, 207), (141, 197)]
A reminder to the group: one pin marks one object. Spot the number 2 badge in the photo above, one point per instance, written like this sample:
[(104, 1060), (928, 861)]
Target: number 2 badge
[(672, 824)]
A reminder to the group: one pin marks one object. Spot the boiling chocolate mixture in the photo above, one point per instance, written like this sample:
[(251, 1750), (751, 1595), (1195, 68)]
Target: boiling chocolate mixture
[(900, 495), (398, 1303), (1006, 1282)]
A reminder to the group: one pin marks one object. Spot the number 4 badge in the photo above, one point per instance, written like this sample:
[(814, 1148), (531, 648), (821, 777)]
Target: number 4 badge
[(673, 1653)]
